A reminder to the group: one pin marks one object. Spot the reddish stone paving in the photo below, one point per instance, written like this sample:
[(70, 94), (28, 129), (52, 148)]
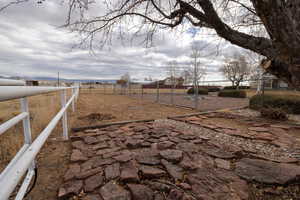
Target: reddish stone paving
[(182, 159), (275, 134)]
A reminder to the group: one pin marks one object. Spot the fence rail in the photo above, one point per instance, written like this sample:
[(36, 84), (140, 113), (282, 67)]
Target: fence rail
[(11, 82), (24, 160)]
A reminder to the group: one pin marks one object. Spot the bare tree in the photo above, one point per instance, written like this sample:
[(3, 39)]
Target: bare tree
[(257, 71), (124, 81), (187, 76), (196, 70), (173, 72), (236, 70), (125, 77), (240, 22), (149, 78)]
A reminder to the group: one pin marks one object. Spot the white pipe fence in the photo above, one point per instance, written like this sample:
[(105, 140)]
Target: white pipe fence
[(16, 92), (11, 82), (24, 160)]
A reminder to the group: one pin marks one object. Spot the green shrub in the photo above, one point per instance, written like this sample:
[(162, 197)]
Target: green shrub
[(213, 89), (234, 87), (202, 91), (274, 113), (233, 93), (290, 104)]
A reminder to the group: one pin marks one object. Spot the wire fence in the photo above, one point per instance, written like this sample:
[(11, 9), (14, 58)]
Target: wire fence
[(176, 95)]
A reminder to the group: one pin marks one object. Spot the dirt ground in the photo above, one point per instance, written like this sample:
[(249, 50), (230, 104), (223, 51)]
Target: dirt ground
[(123, 108), (54, 157), (205, 102)]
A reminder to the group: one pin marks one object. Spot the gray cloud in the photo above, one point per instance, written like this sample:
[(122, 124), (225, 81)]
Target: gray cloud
[(33, 45)]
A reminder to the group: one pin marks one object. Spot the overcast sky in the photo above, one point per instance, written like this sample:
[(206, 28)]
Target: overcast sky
[(32, 45)]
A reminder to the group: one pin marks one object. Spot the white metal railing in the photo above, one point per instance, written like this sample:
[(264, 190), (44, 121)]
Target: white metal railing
[(24, 160), (11, 82)]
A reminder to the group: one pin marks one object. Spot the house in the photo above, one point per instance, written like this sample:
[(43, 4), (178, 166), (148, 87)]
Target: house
[(32, 83), (270, 82), (170, 81), (166, 84)]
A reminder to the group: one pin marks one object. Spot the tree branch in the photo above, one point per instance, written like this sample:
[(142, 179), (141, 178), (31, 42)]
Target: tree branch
[(12, 3), (260, 45)]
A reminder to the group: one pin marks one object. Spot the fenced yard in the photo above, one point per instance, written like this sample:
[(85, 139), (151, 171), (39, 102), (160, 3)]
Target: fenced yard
[(173, 97), (179, 97), (211, 150), (96, 107), (205, 102)]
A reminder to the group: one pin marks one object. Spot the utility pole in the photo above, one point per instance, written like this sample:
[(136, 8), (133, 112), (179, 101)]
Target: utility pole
[(157, 90), (57, 79)]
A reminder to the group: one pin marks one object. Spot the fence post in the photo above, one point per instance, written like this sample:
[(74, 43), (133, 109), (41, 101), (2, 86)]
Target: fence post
[(172, 94), (26, 121), (26, 125), (64, 119), (157, 91), (129, 88), (196, 94), (259, 84), (263, 91), (77, 93), (73, 102), (142, 91)]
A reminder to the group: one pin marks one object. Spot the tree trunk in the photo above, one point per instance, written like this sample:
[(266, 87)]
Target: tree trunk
[(282, 22)]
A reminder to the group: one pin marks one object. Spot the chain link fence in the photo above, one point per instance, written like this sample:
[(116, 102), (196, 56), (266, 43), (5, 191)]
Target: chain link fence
[(178, 96), (167, 95)]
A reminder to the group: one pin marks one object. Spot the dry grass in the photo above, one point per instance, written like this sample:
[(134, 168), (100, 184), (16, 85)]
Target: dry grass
[(162, 91), (251, 93), (42, 109), (133, 91)]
